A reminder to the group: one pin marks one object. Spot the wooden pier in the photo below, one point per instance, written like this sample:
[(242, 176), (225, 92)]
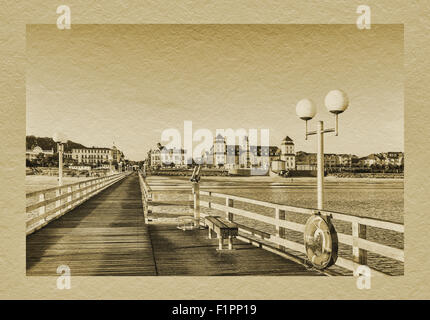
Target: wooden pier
[(107, 235)]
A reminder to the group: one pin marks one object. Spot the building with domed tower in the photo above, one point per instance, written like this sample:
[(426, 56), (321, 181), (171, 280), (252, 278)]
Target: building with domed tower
[(287, 153), (250, 156), (219, 151)]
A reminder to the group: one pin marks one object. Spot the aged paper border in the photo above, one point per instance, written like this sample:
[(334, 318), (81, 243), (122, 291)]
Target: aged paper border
[(15, 16)]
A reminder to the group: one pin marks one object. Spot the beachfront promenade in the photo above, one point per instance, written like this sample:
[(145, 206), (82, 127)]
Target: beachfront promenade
[(107, 235)]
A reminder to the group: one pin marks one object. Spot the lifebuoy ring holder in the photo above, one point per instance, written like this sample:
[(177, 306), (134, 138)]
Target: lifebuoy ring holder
[(320, 240)]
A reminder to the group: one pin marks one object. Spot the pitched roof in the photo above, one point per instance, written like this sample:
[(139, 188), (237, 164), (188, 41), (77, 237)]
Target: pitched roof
[(219, 137), (287, 140)]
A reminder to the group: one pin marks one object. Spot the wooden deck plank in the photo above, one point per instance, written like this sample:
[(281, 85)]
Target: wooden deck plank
[(190, 253), (106, 235)]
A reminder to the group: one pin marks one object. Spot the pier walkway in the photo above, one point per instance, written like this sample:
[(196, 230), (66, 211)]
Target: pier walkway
[(107, 235)]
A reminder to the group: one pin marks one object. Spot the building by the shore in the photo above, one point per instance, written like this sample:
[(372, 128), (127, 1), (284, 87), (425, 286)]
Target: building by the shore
[(160, 156), (308, 161), (250, 156), (97, 155), (33, 153)]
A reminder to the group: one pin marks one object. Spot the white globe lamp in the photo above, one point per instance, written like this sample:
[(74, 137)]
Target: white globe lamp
[(305, 109), (336, 101), (59, 137)]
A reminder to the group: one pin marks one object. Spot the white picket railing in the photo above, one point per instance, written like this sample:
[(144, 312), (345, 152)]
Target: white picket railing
[(360, 245), (146, 195), (48, 204)]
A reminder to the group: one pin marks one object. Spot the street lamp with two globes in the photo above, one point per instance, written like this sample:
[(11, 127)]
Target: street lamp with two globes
[(320, 237), (336, 102)]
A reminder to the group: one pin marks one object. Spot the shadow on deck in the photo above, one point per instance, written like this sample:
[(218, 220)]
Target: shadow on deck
[(190, 253)]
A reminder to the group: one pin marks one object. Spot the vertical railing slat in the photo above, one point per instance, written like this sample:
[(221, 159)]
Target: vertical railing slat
[(196, 198), (42, 209), (358, 255), (229, 204), (280, 231), (70, 197)]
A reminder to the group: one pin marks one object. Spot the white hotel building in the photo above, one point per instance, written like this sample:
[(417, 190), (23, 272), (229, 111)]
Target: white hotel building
[(96, 155)]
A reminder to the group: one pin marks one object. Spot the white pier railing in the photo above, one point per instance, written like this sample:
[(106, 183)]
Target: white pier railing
[(146, 195), (357, 240), (46, 205)]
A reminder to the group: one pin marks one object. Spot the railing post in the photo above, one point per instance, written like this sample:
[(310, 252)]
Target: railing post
[(280, 231), (42, 209), (358, 255), (70, 197), (229, 204), (146, 204), (146, 198), (58, 202), (86, 190), (210, 198), (196, 196), (220, 242)]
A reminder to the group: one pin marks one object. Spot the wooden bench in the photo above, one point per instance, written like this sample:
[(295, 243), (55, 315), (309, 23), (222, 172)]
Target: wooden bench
[(224, 230), (261, 234)]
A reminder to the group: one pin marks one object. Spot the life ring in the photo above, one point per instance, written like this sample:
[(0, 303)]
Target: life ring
[(321, 243)]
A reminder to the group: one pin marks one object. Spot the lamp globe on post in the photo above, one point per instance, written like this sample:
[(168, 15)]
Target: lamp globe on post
[(336, 101), (60, 139), (306, 110)]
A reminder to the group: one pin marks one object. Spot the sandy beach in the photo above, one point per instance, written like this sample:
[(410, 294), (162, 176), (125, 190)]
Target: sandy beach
[(39, 182)]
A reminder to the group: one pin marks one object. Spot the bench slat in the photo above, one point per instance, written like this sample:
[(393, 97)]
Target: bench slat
[(221, 226)]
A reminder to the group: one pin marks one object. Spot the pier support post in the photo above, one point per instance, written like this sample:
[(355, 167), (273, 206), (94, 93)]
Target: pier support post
[(196, 196), (358, 255), (280, 231), (229, 204)]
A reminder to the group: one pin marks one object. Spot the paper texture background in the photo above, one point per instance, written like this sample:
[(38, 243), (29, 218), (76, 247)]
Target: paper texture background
[(15, 16)]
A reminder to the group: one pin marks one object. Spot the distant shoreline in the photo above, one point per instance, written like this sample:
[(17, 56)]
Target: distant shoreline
[(330, 176)]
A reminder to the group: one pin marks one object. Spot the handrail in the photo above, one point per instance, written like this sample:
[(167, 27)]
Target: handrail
[(146, 195), (360, 245), (146, 188), (370, 221), (33, 193), (66, 198)]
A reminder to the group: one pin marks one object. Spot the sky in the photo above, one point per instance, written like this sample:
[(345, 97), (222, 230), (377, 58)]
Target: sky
[(125, 84)]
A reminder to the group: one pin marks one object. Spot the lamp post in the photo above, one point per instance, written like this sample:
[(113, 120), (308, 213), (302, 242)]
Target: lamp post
[(60, 139), (336, 102)]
